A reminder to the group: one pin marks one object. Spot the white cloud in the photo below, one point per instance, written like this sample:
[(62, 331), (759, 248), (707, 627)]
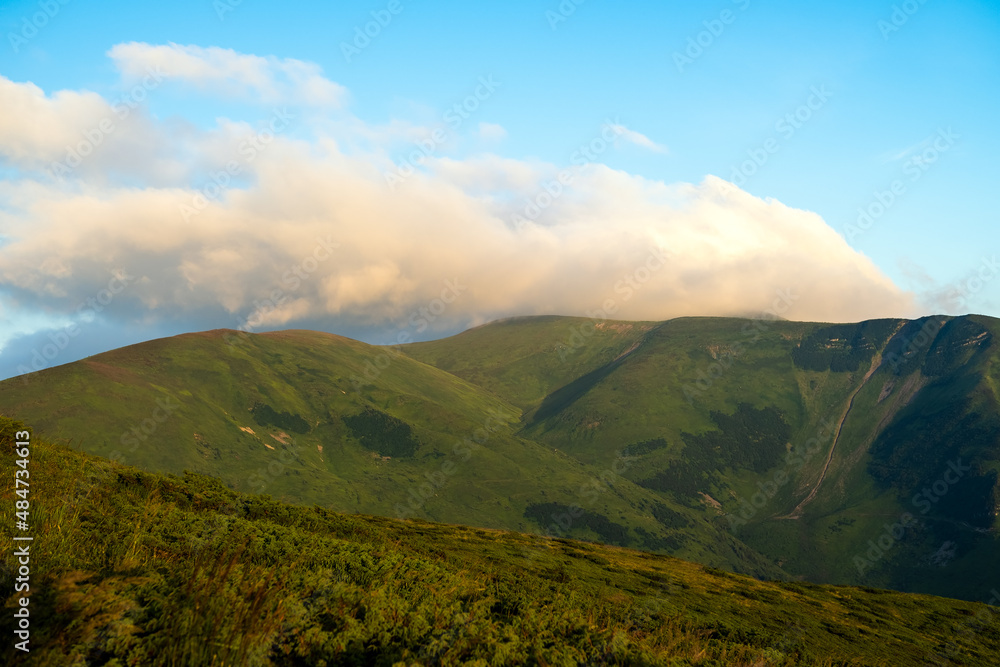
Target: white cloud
[(911, 152), (492, 132), (35, 128), (638, 139), (267, 237), (731, 252), (269, 80), (80, 135)]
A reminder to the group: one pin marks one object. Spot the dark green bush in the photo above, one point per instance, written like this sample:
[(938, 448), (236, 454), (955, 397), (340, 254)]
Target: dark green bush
[(382, 433)]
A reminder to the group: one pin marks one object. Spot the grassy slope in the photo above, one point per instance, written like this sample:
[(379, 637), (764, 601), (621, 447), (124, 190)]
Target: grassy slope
[(523, 359), (135, 568), (644, 396), (584, 401), (99, 400), (919, 419), (719, 364), (313, 376)]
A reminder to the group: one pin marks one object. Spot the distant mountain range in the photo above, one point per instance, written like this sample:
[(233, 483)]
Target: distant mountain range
[(863, 454)]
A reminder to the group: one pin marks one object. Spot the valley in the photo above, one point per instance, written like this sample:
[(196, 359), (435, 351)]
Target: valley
[(707, 439)]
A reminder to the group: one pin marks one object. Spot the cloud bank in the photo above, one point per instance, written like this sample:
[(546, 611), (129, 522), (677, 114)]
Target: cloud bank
[(285, 219)]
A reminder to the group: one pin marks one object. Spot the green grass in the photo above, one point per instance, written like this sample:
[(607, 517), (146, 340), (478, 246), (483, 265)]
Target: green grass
[(136, 568), (285, 414), (598, 424), (692, 383)]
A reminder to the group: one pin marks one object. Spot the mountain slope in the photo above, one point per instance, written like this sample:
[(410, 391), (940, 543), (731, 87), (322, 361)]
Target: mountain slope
[(525, 359), (130, 567), (318, 419), (809, 441), (861, 453)]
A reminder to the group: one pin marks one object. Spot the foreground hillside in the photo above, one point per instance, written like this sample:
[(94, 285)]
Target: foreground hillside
[(130, 567)]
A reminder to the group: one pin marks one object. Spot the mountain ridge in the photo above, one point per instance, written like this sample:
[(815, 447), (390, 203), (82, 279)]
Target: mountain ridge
[(687, 436)]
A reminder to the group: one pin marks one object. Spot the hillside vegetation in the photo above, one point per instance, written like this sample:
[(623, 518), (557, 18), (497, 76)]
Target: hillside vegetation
[(135, 568), (313, 418), (813, 443), (864, 454)]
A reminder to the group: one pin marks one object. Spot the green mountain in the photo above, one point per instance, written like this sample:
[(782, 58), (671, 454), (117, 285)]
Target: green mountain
[(134, 568), (313, 418), (847, 453)]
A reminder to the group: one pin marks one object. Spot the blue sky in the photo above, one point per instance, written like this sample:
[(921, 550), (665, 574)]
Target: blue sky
[(889, 96)]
